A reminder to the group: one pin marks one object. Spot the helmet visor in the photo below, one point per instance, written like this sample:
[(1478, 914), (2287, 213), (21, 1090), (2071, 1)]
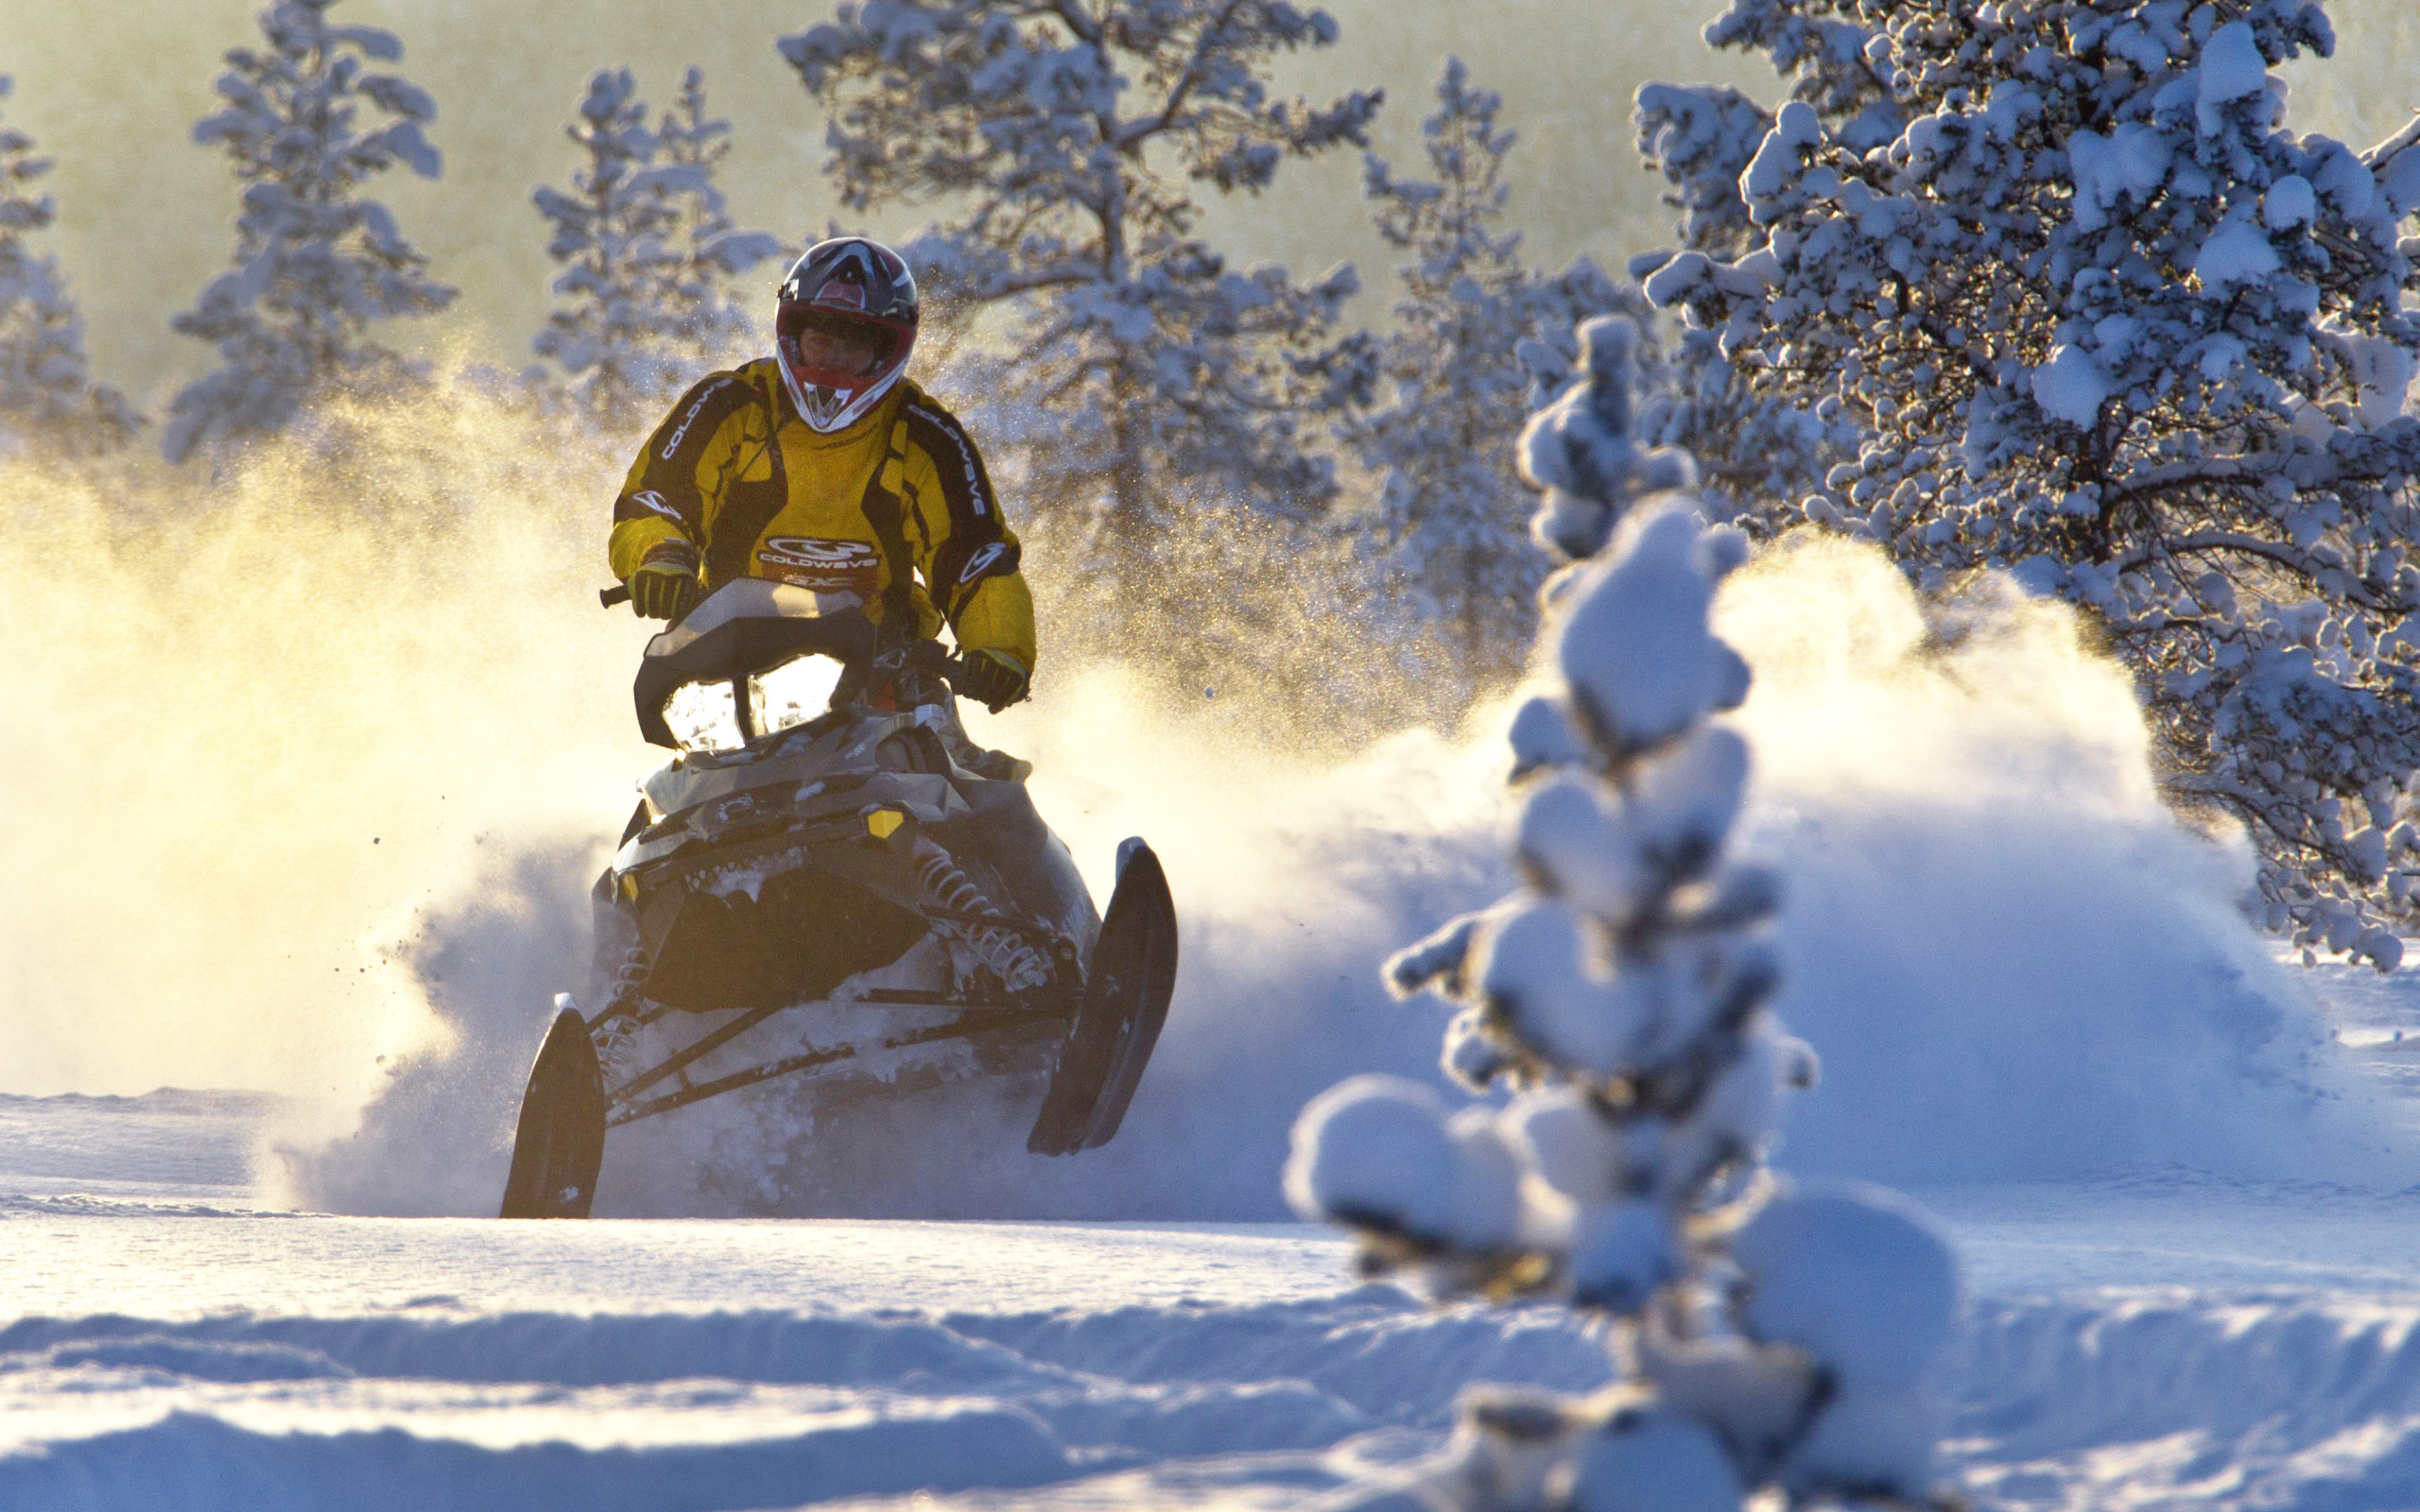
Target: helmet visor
[(834, 349)]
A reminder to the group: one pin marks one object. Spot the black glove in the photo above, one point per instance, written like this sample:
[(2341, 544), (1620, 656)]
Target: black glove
[(665, 585), (991, 679)]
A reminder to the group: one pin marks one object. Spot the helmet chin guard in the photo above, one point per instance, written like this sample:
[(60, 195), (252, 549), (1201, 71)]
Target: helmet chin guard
[(827, 409), (861, 290)]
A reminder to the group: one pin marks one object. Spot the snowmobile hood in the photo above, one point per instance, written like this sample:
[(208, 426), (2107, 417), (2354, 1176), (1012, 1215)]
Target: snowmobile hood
[(812, 771)]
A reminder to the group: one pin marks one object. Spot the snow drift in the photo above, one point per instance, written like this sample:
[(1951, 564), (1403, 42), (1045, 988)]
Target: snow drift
[(2141, 1397)]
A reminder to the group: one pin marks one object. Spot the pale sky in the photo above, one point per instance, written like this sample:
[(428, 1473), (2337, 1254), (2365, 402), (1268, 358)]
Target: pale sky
[(112, 91)]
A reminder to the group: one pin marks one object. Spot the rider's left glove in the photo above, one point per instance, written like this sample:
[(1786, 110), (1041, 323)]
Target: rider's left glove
[(665, 585), (991, 679)]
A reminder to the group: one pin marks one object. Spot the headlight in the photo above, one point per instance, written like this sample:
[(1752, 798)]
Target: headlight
[(793, 693), (700, 716), (703, 717)]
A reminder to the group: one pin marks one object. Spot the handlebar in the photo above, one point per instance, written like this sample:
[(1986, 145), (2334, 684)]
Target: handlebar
[(948, 665)]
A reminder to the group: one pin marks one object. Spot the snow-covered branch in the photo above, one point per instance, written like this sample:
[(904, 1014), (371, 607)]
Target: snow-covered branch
[(1447, 550)]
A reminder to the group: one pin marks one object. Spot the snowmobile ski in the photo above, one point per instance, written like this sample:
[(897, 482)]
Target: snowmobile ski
[(1127, 988), (561, 1142)]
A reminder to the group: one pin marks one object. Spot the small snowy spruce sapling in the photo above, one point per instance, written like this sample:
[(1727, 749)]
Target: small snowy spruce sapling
[(49, 401), (315, 265), (714, 252), (648, 256), (1770, 1340), (1141, 376), (609, 233), (2083, 309), (1450, 545)]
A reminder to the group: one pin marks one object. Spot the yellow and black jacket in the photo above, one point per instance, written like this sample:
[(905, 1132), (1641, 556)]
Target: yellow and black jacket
[(737, 475)]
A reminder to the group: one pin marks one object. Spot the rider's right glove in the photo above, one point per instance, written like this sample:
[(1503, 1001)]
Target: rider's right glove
[(665, 585), (991, 679)]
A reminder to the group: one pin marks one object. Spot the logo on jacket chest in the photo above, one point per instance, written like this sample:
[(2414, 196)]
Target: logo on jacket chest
[(826, 566)]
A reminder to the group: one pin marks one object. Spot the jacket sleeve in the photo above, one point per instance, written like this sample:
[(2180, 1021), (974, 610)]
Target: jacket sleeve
[(999, 617), (968, 554), (668, 494)]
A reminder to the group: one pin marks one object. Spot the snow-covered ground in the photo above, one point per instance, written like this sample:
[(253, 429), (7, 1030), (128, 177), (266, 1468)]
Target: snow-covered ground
[(2148, 1339)]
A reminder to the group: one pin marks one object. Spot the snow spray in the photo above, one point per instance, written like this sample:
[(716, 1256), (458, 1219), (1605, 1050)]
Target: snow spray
[(249, 738), (2014, 961), (311, 787)]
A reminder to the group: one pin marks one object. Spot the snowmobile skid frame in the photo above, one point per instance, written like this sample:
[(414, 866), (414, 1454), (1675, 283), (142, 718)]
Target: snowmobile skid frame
[(624, 1106)]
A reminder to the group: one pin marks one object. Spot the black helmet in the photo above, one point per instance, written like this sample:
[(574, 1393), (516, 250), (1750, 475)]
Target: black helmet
[(852, 288)]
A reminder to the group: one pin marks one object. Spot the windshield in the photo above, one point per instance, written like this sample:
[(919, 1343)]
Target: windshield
[(749, 599)]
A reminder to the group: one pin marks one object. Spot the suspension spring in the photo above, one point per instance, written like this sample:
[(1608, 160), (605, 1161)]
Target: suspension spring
[(630, 981), (616, 1029), (946, 886)]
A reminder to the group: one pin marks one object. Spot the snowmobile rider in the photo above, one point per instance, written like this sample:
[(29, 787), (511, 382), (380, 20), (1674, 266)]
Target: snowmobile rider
[(824, 466)]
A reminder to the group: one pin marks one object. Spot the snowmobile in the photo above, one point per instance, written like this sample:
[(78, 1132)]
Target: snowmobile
[(788, 855)]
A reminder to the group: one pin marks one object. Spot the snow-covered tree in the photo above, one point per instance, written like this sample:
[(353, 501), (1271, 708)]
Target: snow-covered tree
[(648, 255), (693, 144), (2094, 317), (1450, 545), (1135, 374), (609, 231), (1770, 1339), (315, 265), (49, 401)]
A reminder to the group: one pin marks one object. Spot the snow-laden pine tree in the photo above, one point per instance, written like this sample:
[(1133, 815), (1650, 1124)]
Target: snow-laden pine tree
[(306, 120), (1449, 544), (1132, 372), (2092, 315), (1769, 1340), (49, 401), (647, 254)]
